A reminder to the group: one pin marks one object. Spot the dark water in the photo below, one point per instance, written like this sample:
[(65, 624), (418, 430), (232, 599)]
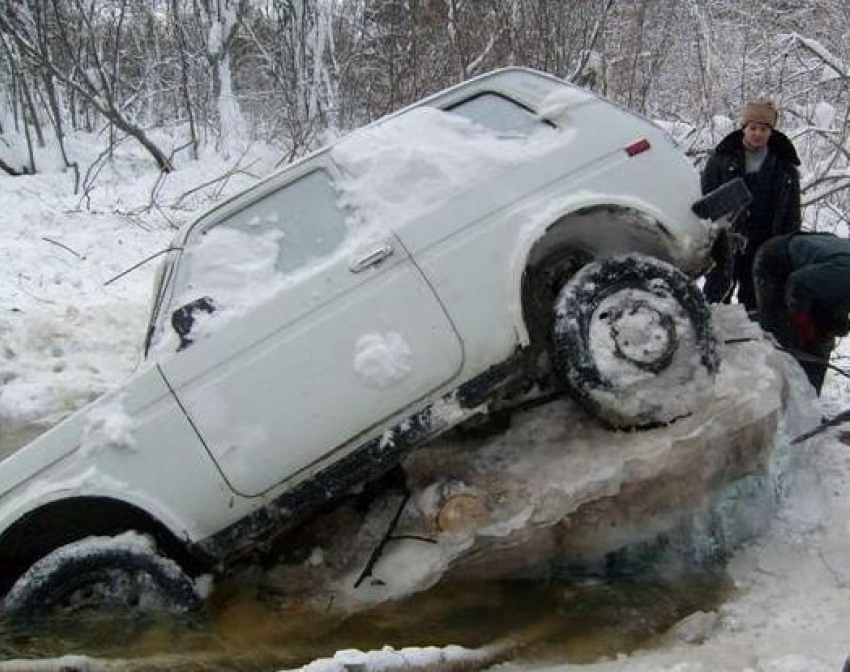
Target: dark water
[(583, 620)]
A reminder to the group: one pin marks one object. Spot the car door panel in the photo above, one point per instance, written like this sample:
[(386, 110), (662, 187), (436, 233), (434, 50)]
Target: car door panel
[(351, 341)]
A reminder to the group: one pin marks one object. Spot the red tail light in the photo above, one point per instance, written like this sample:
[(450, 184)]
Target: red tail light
[(638, 147)]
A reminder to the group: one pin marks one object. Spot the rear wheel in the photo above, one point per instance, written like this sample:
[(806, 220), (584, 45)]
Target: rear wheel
[(124, 574), (632, 340)]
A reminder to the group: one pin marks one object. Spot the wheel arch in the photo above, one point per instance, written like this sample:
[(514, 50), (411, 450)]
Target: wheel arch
[(59, 522), (557, 250)]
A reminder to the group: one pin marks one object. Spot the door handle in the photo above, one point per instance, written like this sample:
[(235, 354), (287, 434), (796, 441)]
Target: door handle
[(372, 258)]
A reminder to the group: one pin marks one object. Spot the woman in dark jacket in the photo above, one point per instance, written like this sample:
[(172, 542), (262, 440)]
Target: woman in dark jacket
[(802, 283), (767, 161)]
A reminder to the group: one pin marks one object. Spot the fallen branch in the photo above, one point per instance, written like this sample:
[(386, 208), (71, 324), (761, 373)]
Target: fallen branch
[(7, 168), (842, 417), (64, 247), (379, 549), (236, 170), (141, 263)]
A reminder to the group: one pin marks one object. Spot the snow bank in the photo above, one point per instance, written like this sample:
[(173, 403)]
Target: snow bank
[(389, 659), (67, 337), (557, 488)]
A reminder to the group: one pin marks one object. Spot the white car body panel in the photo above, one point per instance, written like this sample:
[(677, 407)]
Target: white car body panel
[(162, 469), (264, 412), (226, 426)]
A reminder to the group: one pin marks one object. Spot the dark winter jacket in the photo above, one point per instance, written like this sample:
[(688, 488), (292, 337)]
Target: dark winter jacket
[(820, 279), (780, 188)]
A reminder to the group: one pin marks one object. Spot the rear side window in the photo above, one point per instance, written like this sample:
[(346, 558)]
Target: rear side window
[(500, 114)]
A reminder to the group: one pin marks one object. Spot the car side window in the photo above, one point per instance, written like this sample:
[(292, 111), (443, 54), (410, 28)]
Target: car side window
[(251, 254), (499, 114)]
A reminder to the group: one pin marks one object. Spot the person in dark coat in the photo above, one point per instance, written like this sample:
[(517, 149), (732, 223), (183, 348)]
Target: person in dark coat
[(767, 161), (802, 283)]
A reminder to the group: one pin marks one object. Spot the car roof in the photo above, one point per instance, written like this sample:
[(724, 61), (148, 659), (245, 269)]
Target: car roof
[(525, 85)]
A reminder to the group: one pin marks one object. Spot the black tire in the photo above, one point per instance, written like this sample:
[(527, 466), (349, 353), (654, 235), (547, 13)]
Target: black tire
[(633, 342), (123, 574)]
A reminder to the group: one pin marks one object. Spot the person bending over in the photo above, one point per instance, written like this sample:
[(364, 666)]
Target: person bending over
[(802, 283)]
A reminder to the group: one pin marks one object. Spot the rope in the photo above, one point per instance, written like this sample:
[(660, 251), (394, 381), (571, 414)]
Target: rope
[(797, 354)]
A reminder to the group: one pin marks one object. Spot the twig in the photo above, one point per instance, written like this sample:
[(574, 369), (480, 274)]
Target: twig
[(414, 537), (799, 355), (841, 583), (93, 171), (142, 262), (805, 357), (31, 295), (64, 247), (379, 549), (226, 176)]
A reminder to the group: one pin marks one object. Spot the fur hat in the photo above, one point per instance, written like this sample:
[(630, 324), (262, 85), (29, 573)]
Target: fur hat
[(760, 112)]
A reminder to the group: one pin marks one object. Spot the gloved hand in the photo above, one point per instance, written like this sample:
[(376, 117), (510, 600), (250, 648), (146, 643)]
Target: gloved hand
[(738, 242), (803, 326)]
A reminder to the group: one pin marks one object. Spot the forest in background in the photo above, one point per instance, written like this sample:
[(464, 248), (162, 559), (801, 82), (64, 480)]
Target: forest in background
[(178, 76)]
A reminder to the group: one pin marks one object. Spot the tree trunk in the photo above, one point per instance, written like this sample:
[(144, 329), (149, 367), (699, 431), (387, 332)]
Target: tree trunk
[(27, 132), (184, 78)]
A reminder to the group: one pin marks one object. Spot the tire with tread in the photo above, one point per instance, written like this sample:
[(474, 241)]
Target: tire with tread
[(633, 341), (102, 572)]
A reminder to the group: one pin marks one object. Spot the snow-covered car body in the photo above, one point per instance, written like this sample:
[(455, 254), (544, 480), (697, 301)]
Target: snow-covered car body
[(313, 328)]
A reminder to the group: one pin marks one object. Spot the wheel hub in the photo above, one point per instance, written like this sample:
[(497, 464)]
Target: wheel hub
[(642, 335)]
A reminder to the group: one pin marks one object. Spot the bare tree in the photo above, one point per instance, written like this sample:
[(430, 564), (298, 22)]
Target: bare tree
[(93, 78)]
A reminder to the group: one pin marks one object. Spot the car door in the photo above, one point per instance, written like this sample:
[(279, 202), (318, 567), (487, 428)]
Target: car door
[(304, 337)]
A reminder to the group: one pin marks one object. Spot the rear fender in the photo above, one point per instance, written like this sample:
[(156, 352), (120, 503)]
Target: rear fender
[(588, 226)]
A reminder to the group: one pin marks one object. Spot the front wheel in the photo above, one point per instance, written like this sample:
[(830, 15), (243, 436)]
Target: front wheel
[(632, 340), (123, 573)]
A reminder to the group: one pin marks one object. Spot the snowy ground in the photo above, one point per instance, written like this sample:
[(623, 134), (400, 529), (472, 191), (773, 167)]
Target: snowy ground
[(66, 336)]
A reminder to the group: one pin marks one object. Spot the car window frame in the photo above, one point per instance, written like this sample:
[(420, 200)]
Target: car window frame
[(219, 214), (450, 108)]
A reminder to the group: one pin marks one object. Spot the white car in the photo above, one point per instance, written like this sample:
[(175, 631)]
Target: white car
[(511, 235)]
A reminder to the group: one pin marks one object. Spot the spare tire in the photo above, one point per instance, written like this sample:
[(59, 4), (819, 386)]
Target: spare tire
[(123, 574), (633, 342)]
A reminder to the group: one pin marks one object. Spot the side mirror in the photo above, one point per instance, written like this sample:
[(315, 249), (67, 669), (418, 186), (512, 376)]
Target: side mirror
[(725, 201), (183, 318)]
